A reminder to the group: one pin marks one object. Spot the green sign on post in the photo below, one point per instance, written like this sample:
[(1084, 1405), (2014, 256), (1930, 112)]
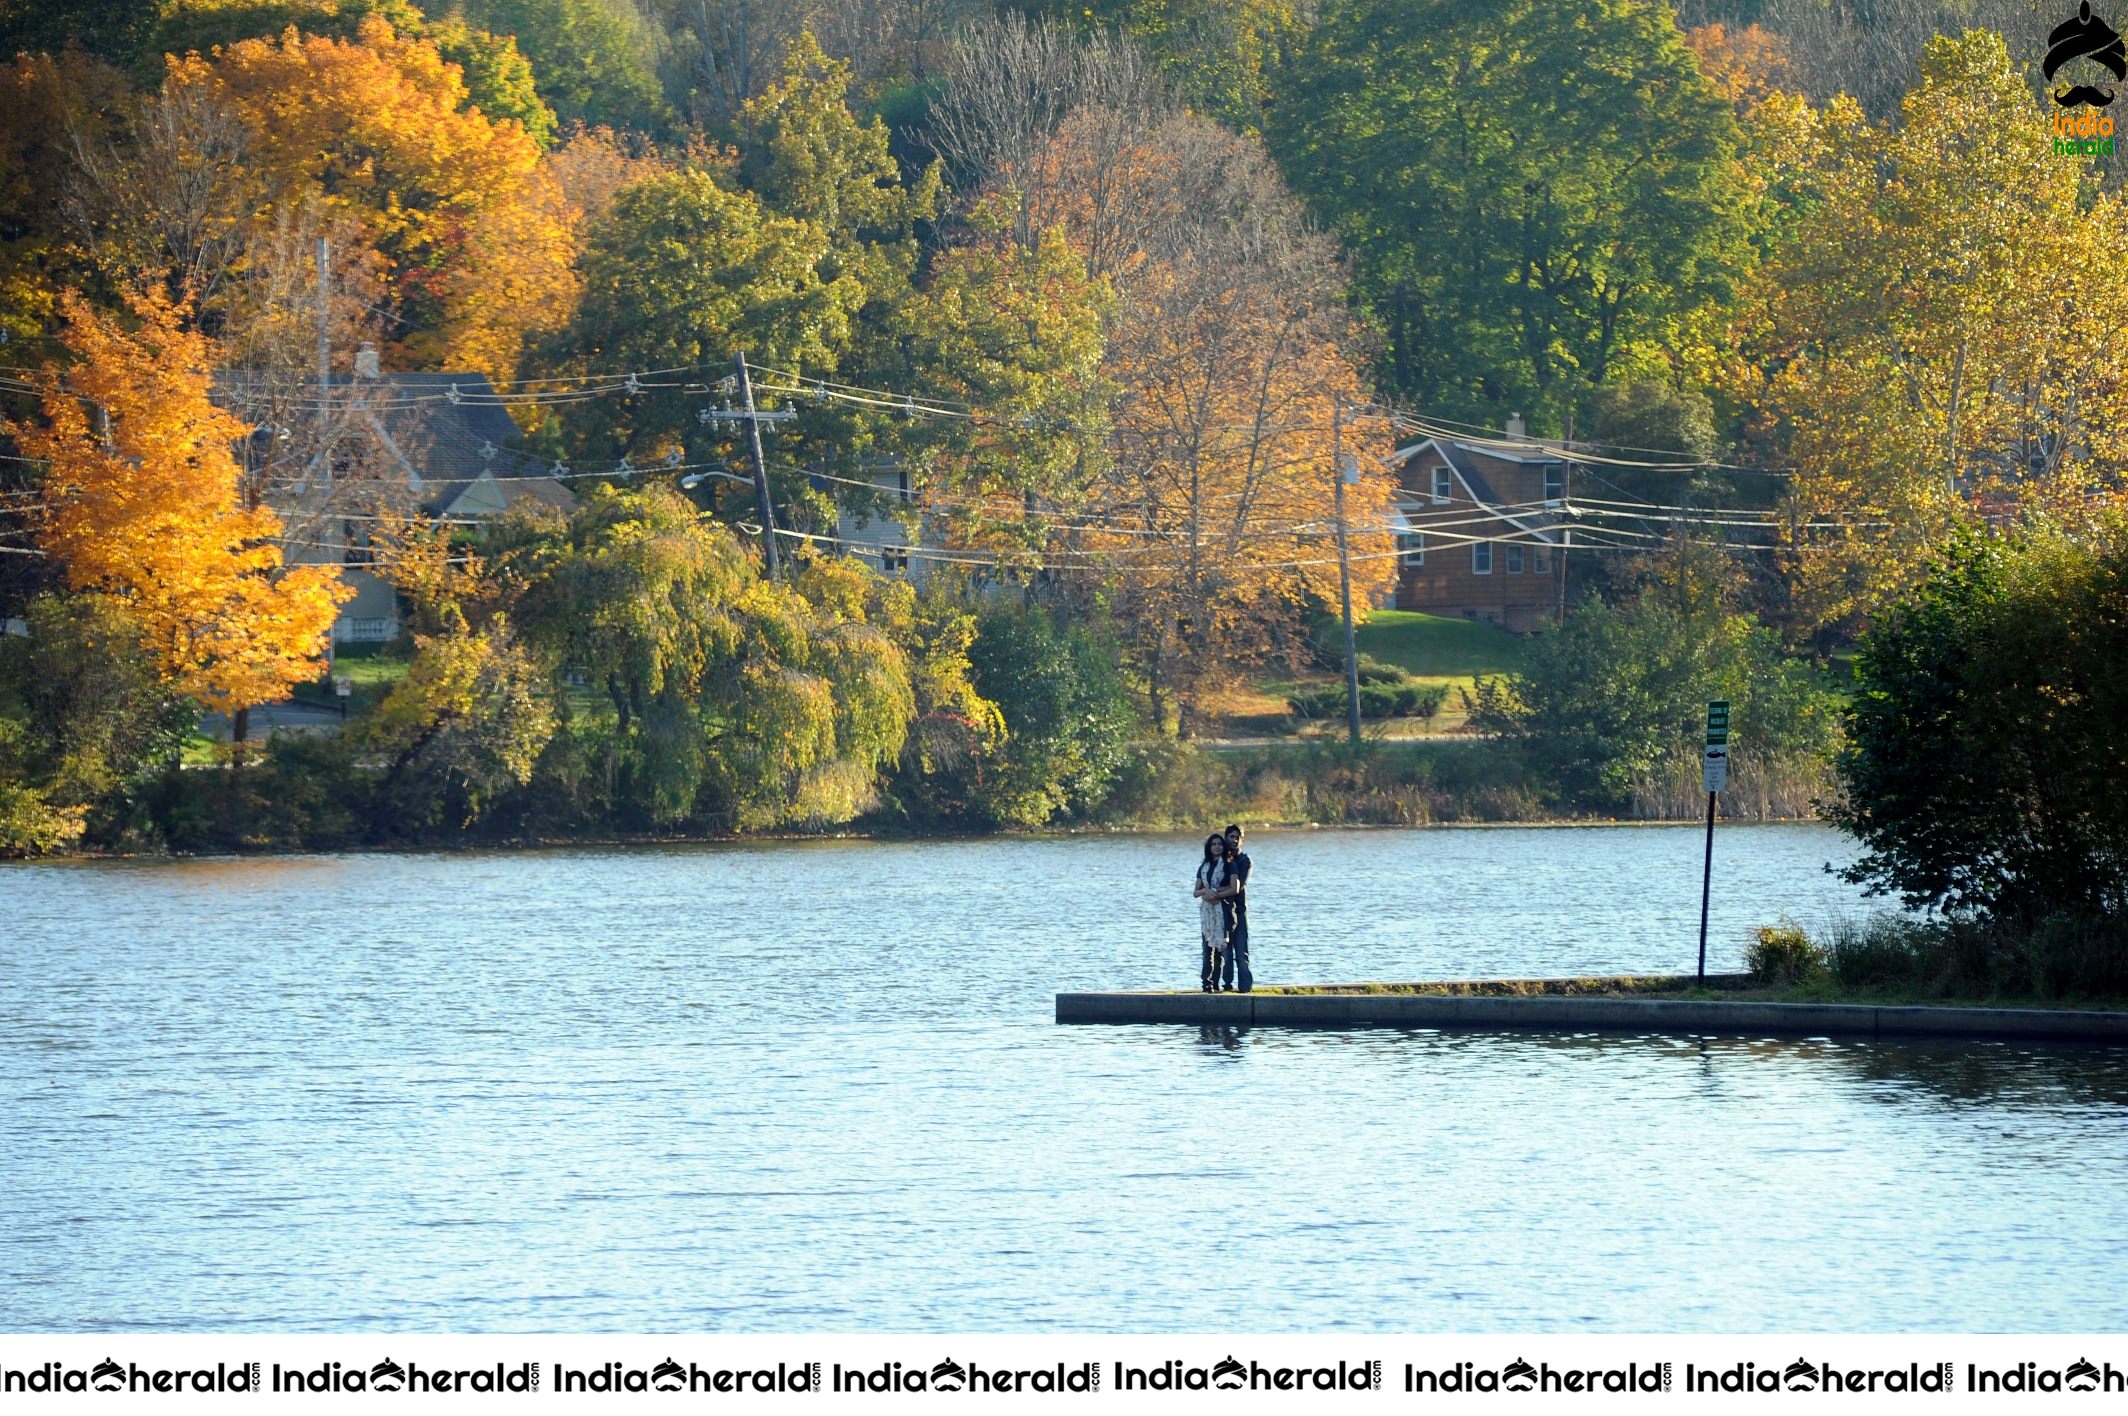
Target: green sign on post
[(1716, 777)]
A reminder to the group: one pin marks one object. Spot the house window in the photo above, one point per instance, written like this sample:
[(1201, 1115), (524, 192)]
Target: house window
[(902, 480), (1514, 560), (369, 631), (892, 558), (1554, 481), (1441, 485), (1413, 545), (357, 543), (1481, 558), (1543, 560)]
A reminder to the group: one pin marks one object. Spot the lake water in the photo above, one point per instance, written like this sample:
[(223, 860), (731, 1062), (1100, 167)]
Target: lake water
[(816, 1087)]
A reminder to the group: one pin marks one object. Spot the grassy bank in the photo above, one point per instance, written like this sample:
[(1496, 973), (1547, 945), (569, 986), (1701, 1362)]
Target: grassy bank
[(1733, 988), (1886, 961), (1406, 783)]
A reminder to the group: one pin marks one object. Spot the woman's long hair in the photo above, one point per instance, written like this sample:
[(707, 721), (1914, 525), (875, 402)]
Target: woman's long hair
[(1215, 847)]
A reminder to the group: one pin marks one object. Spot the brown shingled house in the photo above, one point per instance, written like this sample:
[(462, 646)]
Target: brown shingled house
[(1482, 524)]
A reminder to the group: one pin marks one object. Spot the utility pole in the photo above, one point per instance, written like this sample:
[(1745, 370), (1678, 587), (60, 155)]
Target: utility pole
[(1566, 501), (746, 413), (1344, 566), (325, 416), (325, 359)]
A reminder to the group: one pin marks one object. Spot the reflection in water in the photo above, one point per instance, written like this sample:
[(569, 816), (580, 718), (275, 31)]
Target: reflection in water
[(585, 1090), (2007, 1072)]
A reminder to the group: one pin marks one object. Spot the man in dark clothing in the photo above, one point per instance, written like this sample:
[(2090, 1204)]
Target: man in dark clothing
[(1234, 902)]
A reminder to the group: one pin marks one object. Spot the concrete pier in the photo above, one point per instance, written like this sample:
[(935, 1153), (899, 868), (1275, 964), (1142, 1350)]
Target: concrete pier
[(1587, 1012)]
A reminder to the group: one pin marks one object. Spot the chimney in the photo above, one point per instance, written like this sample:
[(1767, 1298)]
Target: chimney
[(1515, 430), (366, 362)]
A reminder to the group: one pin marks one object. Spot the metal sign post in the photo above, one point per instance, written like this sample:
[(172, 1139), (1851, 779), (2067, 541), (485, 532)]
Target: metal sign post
[(1715, 777)]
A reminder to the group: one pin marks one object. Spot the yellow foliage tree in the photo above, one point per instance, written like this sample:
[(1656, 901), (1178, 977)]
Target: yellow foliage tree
[(141, 485), (476, 231), (1934, 342), (1217, 515)]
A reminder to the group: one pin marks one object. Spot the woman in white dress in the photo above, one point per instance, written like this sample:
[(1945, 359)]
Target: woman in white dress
[(1211, 919)]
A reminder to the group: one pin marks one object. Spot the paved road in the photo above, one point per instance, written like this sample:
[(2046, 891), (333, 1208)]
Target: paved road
[(292, 716)]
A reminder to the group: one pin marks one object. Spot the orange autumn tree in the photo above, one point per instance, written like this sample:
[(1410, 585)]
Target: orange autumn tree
[(1212, 519), (1217, 515), (474, 229), (141, 488)]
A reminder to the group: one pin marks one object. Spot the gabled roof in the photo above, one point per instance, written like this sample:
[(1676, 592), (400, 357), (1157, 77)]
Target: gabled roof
[(1459, 459), (443, 432), (1513, 452)]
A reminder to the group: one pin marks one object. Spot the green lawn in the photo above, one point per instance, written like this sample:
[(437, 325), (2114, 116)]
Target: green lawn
[(1435, 647), (1431, 648), (370, 670)]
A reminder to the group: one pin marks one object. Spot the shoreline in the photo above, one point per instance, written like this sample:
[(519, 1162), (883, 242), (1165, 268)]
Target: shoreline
[(1527, 1005), (551, 843)]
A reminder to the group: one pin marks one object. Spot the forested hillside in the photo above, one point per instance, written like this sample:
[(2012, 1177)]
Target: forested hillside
[(1096, 293)]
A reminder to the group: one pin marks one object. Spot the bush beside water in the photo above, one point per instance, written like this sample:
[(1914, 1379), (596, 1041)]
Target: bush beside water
[(2064, 956), (1784, 954)]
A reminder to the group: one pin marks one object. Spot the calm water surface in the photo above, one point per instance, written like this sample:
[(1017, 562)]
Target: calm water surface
[(816, 1087)]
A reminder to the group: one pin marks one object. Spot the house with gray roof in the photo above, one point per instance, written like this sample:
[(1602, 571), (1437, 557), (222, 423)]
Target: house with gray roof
[(437, 445)]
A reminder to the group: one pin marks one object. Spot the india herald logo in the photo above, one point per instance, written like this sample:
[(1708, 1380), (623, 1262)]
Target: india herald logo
[(2085, 36)]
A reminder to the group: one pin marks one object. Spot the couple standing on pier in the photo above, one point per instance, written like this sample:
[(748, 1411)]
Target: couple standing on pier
[(1222, 898)]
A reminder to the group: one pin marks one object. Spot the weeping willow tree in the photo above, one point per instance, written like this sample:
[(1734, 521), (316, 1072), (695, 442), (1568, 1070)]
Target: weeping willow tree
[(709, 694)]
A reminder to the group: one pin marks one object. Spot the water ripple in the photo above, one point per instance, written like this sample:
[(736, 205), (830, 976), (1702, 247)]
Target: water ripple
[(815, 1086)]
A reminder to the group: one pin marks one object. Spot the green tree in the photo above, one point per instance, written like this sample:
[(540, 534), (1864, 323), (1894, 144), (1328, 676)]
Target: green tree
[(1017, 332), (110, 29), (685, 272), (1905, 346), (1988, 737), (596, 61), (735, 701), (1067, 712), (467, 723), (84, 720), (805, 155), (957, 731), (1612, 702), (1535, 192)]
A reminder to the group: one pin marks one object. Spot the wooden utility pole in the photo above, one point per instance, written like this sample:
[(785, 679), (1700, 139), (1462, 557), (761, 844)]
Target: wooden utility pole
[(324, 428), (1344, 567), (753, 418), (1566, 502), (753, 443), (325, 360)]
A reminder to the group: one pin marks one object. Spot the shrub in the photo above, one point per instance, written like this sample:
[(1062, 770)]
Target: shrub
[(2069, 955), (2063, 956), (1605, 702), (1782, 954), (1881, 951), (1373, 670), (1378, 699)]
